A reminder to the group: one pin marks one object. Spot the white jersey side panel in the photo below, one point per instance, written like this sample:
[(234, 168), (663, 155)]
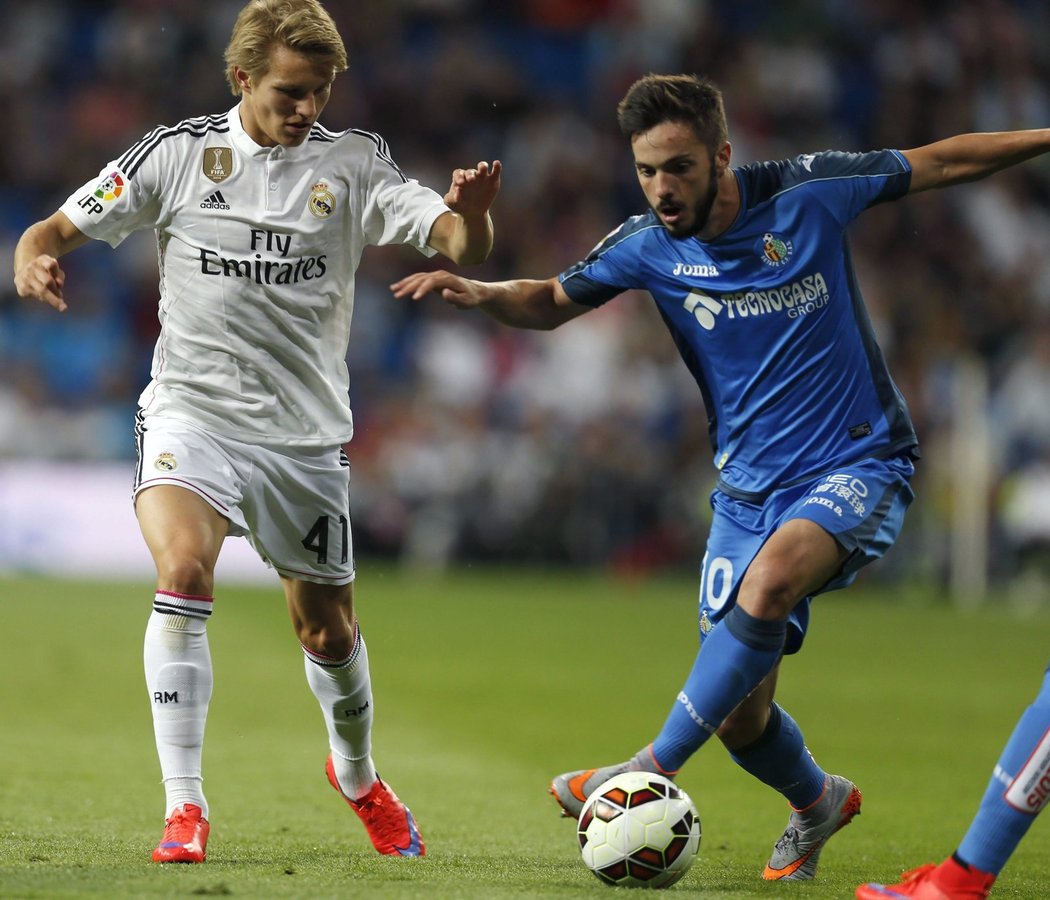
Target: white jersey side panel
[(258, 247)]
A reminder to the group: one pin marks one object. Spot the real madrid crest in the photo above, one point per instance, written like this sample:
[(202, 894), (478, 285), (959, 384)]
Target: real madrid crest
[(166, 462), (322, 200)]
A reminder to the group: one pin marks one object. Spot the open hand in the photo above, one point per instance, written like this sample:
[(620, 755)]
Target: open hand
[(473, 190)]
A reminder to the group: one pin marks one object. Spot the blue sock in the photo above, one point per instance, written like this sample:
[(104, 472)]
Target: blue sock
[(732, 662), (780, 759), (1018, 790)]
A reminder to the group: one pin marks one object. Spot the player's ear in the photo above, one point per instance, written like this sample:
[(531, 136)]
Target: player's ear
[(243, 79), (722, 157)]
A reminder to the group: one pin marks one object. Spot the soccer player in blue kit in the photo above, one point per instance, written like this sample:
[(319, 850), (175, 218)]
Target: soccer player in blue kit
[(750, 270)]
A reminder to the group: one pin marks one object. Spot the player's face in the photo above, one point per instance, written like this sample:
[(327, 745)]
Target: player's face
[(280, 106), (678, 174)]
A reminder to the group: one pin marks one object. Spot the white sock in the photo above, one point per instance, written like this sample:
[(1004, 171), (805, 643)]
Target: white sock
[(343, 688), (179, 681)]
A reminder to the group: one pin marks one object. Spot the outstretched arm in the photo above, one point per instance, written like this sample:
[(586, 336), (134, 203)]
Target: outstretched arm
[(37, 272), (523, 303), (464, 234), (969, 157)]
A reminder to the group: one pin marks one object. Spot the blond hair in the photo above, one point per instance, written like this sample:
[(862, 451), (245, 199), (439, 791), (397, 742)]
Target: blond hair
[(300, 25)]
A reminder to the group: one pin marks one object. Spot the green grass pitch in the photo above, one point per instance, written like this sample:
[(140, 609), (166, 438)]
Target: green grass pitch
[(487, 682)]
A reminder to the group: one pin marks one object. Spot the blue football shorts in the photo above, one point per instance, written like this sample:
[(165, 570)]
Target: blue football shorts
[(861, 505), (291, 503)]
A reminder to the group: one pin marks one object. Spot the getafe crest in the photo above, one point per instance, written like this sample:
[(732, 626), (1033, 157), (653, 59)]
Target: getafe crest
[(776, 249), (217, 163), (322, 200)]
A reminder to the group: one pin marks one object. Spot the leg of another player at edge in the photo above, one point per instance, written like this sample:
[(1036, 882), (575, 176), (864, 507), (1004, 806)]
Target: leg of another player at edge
[(742, 652), (336, 661), (1006, 813), (184, 536)]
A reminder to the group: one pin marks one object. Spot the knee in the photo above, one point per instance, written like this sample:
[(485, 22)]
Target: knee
[(333, 638), (185, 575), (767, 592), (323, 617)]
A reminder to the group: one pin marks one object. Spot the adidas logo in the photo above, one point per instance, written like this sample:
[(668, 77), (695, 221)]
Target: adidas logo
[(215, 201)]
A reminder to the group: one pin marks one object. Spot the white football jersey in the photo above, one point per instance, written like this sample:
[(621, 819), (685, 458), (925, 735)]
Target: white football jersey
[(257, 247)]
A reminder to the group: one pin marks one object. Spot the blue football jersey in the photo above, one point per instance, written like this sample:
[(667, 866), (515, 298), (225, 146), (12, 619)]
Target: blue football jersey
[(769, 318)]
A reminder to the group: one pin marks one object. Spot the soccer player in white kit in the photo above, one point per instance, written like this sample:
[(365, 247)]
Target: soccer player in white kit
[(261, 216)]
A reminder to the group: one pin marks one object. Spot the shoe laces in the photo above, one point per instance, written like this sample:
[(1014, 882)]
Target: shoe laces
[(919, 873), (181, 828), (788, 840), (383, 814)]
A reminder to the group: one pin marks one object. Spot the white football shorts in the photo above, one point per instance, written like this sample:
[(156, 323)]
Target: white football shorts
[(293, 505)]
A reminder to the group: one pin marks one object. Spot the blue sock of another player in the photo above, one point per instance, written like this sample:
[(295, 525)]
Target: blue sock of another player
[(1018, 790), (780, 759), (733, 660)]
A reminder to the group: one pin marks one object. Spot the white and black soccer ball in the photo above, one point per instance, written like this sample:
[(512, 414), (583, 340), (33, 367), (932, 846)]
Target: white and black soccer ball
[(639, 829)]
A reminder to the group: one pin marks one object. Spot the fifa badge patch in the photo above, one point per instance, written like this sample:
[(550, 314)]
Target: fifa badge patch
[(166, 462), (775, 249), (322, 200), (217, 163)]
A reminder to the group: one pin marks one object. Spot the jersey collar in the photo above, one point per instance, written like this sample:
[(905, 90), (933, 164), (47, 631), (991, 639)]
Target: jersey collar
[(243, 141)]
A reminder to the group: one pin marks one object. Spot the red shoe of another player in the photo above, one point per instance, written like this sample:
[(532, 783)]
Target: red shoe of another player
[(948, 881), (389, 822), (185, 837)]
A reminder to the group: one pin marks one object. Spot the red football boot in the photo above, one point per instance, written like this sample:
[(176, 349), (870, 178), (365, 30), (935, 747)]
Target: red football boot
[(389, 822), (185, 837)]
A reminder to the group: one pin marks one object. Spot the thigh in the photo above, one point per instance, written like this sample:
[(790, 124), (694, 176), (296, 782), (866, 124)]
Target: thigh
[(861, 506), (297, 506), (739, 534), (795, 561), (184, 535)]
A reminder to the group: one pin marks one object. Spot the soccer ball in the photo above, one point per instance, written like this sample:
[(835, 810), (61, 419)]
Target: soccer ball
[(639, 829)]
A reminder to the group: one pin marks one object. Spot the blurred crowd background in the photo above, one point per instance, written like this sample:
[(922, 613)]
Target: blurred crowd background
[(587, 445)]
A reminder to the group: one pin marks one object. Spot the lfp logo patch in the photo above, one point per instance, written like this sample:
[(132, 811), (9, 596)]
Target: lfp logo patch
[(110, 187), (775, 249)]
